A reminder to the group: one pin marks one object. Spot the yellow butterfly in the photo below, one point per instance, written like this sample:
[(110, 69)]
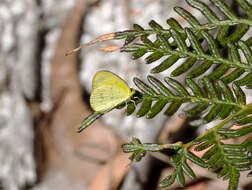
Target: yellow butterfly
[(109, 91)]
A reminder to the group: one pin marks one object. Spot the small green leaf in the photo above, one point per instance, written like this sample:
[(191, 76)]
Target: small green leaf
[(144, 87), (179, 40), (230, 133), (196, 159), (158, 106), (239, 162), (245, 80), (249, 174), (132, 146), (200, 70), (138, 28), (249, 42), (208, 154), (120, 106), (233, 52), (187, 16), (123, 34), (145, 107), (164, 65), (243, 114), (155, 26), (130, 108), (236, 73), (203, 138), (129, 39), (246, 51), (138, 155), (204, 145), (234, 179), (146, 41), (246, 6), (227, 93), (89, 120), (218, 72), (223, 32), (224, 9), (194, 87), (194, 42), (176, 86), (234, 148), (196, 110), (167, 181), (204, 9), (188, 171), (184, 67), (164, 40), (138, 53), (175, 25), (218, 165), (154, 57), (210, 88), (244, 121), (241, 156), (215, 158), (162, 89), (130, 48), (180, 177), (240, 95), (213, 47), (224, 171), (225, 111), (240, 31), (242, 168), (157, 43), (173, 107)]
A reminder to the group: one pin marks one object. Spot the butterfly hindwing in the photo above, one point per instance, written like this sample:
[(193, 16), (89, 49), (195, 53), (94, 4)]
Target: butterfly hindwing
[(105, 98)]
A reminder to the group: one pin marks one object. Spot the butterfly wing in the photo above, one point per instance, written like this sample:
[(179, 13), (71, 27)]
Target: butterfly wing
[(105, 98), (106, 78)]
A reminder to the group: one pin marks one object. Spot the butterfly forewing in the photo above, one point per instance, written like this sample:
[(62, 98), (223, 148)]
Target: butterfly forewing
[(106, 78)]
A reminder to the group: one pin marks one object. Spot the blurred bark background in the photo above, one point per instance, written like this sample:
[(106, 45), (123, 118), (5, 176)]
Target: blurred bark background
[(44, 97)]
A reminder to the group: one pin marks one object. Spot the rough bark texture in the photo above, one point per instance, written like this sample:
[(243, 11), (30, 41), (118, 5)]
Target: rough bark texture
[(17, 61)]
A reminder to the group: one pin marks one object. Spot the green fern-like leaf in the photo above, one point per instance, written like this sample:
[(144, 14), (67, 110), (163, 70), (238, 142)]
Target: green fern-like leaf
[(230, 67), (216, 98), (181, 168), (228, 160)]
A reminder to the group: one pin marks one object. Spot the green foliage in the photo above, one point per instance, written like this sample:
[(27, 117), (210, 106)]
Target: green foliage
[(216, 98), (216, 62)]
